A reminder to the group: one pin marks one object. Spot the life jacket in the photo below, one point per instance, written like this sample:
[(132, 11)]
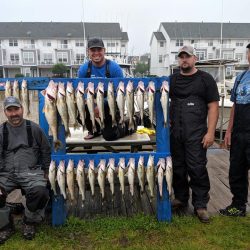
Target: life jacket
[(107, 73)]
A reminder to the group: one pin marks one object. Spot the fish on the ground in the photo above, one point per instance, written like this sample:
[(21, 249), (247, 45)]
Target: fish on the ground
[(91, 176), (131, 175), (91, 104), (111, 102), (80, 178), (150, 174), (101, 175), (111, 174), (62, 107), (169, 175), (140, 90), (120, 100), (130, 105), (16, 90), (70, 177), (25, 97), (160, 174), (151, 100), (7, 88), (71, 104), (61, 178), (100, 102), (121, 174), (52, 176), (50, 110), (80, 103), (164, 101), (141, 174)]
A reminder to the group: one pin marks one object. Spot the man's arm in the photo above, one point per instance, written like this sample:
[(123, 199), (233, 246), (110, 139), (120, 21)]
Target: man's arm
[(213, 115), (227, 138)]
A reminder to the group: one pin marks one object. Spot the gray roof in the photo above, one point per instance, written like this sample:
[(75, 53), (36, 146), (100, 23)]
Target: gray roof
[(159, 36), (207, 30), (124, 36), (43, 30)]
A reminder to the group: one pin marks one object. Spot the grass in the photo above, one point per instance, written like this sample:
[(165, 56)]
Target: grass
[(139, 232)]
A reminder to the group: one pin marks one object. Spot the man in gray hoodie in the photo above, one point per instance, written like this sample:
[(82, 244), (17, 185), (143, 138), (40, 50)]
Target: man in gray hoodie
[(24, 161)]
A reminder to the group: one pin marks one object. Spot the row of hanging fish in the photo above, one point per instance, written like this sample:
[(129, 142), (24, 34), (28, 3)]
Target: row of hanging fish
[(21, 93), (69, 103), (63, 176)]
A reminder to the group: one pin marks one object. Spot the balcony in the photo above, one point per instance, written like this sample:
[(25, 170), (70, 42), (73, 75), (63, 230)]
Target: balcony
[(63, 46), (12, 63), (200, 45), (29, 46), (227, 46), (49, 62)]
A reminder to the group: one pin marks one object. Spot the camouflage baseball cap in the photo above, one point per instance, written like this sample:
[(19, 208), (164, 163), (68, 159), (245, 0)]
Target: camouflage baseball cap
[(188, 49), (11, 101), (95, 43)]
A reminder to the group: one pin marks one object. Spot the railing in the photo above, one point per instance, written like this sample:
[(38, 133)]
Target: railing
[(29, 46)]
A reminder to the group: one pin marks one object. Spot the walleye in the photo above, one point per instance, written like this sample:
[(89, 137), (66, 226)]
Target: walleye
[(151, 100), (110, 175), (169, 174), (120, 99), (141, 174), (131, 175), (100, 102), (150, 176), (51, 112), (61, 178), (101, 176), (52, 176), (7, 89), (25, 97), (164, 101), (16, 91), (90, 104), (140, 90), (80, 103), (91, 176), (121, 173), (111, 102), (160, 174), (80, 178), (70, 174), (71, 104), (130, 105), (62, 107)]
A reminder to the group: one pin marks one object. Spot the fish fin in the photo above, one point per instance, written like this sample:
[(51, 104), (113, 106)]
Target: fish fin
[(57, 144)]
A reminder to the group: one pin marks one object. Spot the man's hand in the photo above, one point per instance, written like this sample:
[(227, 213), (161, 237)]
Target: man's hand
[(208, 140), (227, 139)]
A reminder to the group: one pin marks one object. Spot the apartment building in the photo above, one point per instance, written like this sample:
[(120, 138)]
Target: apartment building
[(32, 48), (211, 41)]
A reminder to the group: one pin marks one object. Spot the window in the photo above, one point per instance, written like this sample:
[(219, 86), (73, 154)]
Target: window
[(123, 45), (239, 44), (13, 43), (28, 57), (239, 56), (79, 43), (201, 55), (62, 57), (47, 58), (228, 71), (161, 44), (79, 58), (27, 72), (210, 55), (14, 57), (110, 44), (64, 44), (160, 58), (210, 43), (46, 43), (179, 42), (227, 55)]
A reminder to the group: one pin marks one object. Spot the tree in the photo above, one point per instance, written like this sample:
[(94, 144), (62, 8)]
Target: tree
[(59, 70), (141, 69), (19, 75)]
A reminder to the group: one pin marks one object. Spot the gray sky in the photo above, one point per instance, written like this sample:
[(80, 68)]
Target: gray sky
[(138, 17)]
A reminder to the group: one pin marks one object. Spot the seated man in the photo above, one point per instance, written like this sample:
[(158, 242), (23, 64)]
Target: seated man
[(24, 162)]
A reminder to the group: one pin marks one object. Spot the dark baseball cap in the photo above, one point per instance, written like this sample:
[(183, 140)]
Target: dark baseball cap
[(248, 46), (188, 49), (95, 43), (11, 101)]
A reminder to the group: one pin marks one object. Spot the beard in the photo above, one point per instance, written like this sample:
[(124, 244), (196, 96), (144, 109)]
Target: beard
[(186, 69)]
